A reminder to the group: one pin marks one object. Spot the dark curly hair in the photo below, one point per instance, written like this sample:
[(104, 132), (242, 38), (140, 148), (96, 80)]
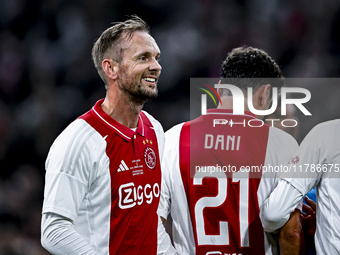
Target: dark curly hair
[(250, 67)]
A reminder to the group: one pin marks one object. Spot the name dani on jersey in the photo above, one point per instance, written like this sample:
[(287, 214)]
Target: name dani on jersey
[(222, 142)]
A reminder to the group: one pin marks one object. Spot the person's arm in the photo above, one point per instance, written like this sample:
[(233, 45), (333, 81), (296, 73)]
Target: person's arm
[(69, 174), (291, 238), (276, 214), (164, 246), (276, 209), (58, 236)]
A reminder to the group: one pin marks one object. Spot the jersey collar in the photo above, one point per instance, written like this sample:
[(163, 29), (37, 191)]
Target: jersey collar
[(230, 112), (121, 130)]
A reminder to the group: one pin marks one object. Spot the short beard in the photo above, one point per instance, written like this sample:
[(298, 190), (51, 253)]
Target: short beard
[(142, 93), (137, 93)]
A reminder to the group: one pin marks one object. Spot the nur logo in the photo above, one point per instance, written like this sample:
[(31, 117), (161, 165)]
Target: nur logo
[(238, 99), (205, 96)]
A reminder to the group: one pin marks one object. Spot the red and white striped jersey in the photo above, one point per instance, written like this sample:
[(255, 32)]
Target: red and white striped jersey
[(107, 179), (217, 170)]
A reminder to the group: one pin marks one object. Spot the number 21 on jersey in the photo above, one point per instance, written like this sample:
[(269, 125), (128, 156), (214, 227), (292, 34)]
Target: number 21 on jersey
[(213, 202)]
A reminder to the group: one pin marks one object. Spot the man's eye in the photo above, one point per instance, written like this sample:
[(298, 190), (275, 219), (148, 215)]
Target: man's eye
[(143, 58)]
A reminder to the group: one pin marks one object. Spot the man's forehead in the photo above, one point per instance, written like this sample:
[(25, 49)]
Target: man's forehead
[(140, 38)]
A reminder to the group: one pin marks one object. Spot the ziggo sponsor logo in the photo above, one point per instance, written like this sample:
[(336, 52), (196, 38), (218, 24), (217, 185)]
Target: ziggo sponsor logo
[(130, 195)]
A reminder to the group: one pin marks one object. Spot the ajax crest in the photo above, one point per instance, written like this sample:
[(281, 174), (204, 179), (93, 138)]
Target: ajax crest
[(150, 158)]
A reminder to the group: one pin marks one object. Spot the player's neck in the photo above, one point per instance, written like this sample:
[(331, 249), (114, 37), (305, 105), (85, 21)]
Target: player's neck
[(122, 109), (227, 103)]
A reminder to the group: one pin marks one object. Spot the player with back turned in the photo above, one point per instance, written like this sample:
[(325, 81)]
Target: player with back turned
[(315, 164), (217, 212), (103, 176)]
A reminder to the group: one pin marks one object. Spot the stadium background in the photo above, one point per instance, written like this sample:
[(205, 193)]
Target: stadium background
[(47, 77)]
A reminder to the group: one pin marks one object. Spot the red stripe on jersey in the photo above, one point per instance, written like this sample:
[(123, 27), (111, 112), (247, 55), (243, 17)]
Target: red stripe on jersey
[(135, 182), (224, 209)]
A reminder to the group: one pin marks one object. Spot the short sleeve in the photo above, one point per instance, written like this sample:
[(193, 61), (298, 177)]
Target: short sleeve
[(70, 169)]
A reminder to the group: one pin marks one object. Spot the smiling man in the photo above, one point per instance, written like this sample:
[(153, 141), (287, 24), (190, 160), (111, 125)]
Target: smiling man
[(103, 176)]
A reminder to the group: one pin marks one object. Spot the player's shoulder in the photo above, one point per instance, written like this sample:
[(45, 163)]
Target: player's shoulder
[(174, 131), (77, 129), (324, 133), (280, 134), (326, 128), (78, 144), (77, 134), (281, 138), (172, 137)]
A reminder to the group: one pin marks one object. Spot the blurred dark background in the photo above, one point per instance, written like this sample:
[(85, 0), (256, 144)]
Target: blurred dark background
[(47, 78)]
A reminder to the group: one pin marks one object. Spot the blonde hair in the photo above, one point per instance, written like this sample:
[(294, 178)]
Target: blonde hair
[(109, 44)]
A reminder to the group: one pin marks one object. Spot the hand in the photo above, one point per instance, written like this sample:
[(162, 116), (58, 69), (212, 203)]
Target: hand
[(309, 217), (291, 237)]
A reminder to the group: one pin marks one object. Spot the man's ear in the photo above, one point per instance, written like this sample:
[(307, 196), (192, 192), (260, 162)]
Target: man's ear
[(264, 94), (219, 90), (110, 68)]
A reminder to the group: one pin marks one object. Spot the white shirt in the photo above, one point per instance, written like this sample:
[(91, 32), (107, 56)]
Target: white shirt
[(316, 164)]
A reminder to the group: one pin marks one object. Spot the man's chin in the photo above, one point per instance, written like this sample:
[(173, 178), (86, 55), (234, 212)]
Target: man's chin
[(145, 95), (150, 93)]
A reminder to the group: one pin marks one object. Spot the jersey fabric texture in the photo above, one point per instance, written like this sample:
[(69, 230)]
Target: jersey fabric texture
[(106, 178), (214, 183), (318, 157)]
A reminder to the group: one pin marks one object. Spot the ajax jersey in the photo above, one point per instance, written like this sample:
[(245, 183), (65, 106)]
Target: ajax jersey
[(107, 179), (217, 171)]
